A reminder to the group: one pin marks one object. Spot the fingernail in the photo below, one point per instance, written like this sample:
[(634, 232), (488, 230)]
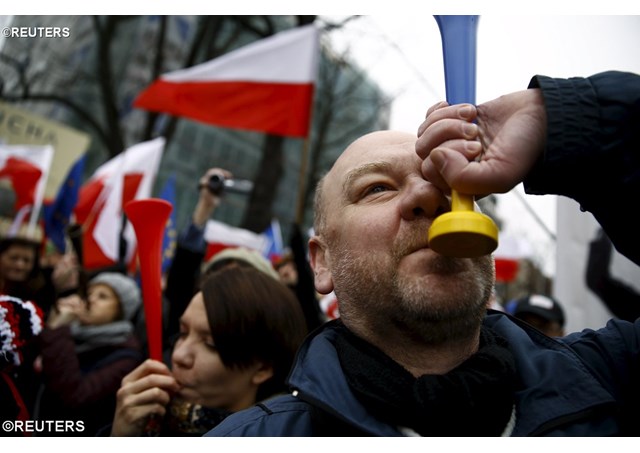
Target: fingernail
[(473, 147), (466, 111), (470, 130), (438, 160)]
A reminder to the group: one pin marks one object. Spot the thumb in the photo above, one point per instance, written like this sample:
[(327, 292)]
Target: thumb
[(460, 174), (451, 165)]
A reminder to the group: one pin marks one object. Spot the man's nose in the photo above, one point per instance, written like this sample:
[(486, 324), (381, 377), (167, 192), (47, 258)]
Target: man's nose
[(422, 199)]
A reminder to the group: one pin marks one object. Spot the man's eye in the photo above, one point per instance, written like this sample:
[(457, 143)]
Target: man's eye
[(377, 188)]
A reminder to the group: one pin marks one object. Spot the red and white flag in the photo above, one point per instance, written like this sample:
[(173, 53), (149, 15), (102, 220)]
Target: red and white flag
[(128, 176), (511, 250), (329, 305), (266, 86), (220, 236), (27, 167)]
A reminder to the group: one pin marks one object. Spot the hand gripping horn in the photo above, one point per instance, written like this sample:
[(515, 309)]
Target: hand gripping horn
[(462, 232), (149, 219)]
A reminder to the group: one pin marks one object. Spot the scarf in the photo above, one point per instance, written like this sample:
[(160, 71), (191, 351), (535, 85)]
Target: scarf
[(474, 399), (185, 419), (88, 338)]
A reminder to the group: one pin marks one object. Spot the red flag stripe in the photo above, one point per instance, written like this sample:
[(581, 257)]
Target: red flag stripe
[(277, 108), (24, 178)]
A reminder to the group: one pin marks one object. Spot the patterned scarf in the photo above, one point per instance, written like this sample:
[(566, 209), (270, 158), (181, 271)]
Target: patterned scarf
[(185, 419)]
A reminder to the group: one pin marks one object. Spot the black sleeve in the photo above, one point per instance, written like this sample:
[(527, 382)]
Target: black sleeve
[(305, 288), (181, 286), (592, 152), (621, 299)]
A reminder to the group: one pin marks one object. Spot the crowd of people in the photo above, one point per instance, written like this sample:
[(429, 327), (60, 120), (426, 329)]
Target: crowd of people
[(231, 328), (416, 349)]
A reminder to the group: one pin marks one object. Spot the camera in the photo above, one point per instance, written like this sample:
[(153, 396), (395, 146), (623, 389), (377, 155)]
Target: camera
[(218, 185)]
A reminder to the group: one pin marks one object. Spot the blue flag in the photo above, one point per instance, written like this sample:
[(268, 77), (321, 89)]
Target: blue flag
[(273, 249), (57, 214), (168, 193)]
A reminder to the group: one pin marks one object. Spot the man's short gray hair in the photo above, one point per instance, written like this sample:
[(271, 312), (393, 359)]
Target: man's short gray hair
[(319, 217)]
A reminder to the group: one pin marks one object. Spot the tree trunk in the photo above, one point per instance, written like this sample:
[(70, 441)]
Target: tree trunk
[(258, 214)]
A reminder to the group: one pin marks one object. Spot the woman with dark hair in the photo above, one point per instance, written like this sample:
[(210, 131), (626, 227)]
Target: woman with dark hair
[(238, 338), (20, 273)]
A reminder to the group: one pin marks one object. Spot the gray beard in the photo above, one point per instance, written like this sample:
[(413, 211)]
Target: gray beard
[(374, 296)]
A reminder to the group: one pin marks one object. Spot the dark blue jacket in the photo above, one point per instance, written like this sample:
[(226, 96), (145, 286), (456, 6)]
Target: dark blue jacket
[(586, 384), (583, 385)]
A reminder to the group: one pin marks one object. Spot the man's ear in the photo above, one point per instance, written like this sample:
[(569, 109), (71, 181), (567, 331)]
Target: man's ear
[(319, 256)]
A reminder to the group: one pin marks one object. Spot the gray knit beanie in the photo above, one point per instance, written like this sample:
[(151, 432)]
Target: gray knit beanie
[(125, 288), (249, 256)]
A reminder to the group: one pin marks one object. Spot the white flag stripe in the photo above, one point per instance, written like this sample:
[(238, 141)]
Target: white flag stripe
[(513, 247), (141, 158), (218, 232), (286, 57)]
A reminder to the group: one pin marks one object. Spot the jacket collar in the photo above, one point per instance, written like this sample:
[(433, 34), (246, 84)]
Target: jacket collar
[(554, 381), (319, 380)]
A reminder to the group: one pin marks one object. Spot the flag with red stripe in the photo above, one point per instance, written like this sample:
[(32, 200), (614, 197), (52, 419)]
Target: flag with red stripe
[(266, 86), (128, 176), (27, 168)]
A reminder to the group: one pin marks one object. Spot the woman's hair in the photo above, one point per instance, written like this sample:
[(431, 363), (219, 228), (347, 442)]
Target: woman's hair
[(254, 318)]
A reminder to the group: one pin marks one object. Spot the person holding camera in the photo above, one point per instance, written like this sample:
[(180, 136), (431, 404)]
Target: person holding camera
[(184, 273)]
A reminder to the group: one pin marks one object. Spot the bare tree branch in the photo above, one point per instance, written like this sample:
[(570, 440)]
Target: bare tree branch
[(330, 26), (104, 34), (155, 73)]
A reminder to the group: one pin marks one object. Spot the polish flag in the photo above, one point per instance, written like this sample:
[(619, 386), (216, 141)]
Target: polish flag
[(27, 167), (266, 86), (220, 236), (510, 251), (329, 306), (128, 176)]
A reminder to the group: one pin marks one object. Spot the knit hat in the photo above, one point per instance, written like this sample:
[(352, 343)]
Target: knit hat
[(20, 322), (249, 256), (543, 306), (125, 288)]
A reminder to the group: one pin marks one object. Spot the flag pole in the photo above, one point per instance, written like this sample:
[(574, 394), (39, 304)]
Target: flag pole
[(301, 181), (304, 163)]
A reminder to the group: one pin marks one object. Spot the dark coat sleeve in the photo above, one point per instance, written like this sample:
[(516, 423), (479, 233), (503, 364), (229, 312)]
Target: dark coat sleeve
[(181, 286), (621, 299), (592, 152), (305, 289)]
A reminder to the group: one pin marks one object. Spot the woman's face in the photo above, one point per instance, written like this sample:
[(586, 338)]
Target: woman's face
[(16, 262), (197, 366), (103, 306)]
